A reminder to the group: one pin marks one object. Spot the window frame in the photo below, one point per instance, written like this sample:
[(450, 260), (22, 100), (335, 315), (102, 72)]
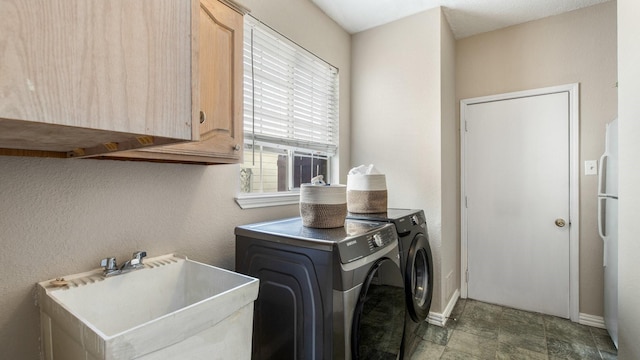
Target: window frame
[(247, 200)]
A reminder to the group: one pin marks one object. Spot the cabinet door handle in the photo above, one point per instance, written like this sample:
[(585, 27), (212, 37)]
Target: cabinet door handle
[(203, 117), (236, 147)]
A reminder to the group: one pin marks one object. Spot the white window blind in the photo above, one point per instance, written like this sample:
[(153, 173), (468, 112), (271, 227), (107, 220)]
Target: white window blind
[(291, 96)]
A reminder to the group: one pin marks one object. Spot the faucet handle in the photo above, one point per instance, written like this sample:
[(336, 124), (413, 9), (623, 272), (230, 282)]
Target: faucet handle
[(109, 264), (136, 258)]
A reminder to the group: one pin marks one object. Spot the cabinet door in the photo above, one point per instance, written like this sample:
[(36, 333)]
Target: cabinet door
[(220, 66), (216, 69), (92, 76), (219, 99)]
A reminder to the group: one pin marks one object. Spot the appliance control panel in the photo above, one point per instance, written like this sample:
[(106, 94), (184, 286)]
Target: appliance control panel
[(358, 247), (406, 223)]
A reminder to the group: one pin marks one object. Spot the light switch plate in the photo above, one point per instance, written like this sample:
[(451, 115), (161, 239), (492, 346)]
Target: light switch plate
[(591, 167)]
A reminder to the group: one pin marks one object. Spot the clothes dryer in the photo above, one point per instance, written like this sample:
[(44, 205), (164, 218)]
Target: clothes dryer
[(416, 263), (324, 293)]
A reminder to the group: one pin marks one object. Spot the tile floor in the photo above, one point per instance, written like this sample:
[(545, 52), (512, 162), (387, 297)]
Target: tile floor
[(478, 330)]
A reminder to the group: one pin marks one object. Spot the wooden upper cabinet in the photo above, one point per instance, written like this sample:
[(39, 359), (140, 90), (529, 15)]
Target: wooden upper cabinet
[(220, 48), (79, 78), (218, 81)]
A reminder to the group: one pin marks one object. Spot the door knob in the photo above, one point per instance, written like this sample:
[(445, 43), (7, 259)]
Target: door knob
[(560, 223)]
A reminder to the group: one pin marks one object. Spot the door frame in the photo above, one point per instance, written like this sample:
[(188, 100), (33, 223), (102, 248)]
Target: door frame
[(574, 191)]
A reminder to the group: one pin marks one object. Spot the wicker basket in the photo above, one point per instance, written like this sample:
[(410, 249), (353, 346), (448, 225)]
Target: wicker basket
[(367, 202), (323, 206), (366, 194)]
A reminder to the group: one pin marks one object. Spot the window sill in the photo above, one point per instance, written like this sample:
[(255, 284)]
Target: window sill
[(252, 201)]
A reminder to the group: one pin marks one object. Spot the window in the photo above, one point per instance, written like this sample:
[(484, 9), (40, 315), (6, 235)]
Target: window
[(290, 112)]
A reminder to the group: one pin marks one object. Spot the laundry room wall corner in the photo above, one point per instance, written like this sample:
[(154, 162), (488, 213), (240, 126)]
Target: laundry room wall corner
[(412, 97), (450, 169)]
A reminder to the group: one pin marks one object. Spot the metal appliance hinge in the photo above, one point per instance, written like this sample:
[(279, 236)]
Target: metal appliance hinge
[(466, 275)]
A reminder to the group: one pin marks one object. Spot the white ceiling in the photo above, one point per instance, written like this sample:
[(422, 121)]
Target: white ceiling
[(466, 17)]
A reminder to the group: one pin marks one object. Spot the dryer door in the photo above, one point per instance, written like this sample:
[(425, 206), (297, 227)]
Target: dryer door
[(419, 278), (378, 321)]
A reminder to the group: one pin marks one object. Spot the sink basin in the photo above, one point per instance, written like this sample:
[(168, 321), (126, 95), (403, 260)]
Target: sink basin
[(173, 308)]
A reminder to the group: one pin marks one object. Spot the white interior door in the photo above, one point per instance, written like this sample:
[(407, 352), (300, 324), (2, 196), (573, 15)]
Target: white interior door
[(516, 180)]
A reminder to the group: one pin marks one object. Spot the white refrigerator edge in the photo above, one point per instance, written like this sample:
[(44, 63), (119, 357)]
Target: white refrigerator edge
[(608, 226)]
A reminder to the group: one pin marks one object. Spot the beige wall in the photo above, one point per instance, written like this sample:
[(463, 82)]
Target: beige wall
[(450, 175), (576, 47), (398, 123), (59, 217), (629, 205)]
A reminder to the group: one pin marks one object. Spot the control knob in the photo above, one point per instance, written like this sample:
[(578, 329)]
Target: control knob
[(414, 219), (377, 240)]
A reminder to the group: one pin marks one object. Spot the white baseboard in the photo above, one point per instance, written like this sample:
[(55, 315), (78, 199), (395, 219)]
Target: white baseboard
[(592, 320), (440, 319)]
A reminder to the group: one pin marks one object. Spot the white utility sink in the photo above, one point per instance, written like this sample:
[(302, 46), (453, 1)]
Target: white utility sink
[(174, 308)]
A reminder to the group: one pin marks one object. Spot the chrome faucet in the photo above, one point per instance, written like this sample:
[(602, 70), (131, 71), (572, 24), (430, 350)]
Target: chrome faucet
[(135, 262), (111, 267)]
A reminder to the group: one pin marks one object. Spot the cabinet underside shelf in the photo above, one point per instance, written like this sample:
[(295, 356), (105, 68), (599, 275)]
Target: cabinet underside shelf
[(21, 138)]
